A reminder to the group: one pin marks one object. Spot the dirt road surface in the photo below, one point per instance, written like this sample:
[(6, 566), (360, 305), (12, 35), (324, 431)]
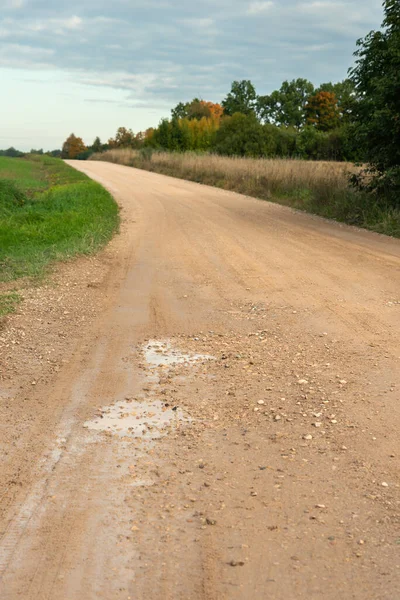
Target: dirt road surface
[(208, 409)]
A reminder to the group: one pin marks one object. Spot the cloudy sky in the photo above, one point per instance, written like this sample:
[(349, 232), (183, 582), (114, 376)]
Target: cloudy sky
[(89, 66)]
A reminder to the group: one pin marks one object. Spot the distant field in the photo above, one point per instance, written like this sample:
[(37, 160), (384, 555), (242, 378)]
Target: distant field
[(48, 211), (317, 187)]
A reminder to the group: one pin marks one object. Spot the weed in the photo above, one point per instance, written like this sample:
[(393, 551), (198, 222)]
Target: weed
[(8, 302)]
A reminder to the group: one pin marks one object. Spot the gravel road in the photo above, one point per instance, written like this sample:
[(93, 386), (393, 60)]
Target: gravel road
[(208, 409)]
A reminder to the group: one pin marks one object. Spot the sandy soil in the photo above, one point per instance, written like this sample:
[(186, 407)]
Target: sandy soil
[(208, 409)]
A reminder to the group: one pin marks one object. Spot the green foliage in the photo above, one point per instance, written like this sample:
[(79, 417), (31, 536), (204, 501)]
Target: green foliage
[(12, 153), (10, 197), (53, 212), (84, 155), (8, 302), (346, 96), (146, 153), (376, 76), (242, 135), (241, 99), (162, 135), (196, 109), (286, 106)]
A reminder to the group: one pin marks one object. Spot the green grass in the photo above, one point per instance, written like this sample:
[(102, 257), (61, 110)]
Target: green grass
[(48, 212), (8, 302)]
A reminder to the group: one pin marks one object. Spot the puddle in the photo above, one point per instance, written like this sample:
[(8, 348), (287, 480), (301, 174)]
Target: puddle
[(161, 353), (145, 420), (148, 419)]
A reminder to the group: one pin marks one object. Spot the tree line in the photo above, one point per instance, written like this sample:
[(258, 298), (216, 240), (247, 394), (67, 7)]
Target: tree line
[(297, 120), (357, 119)]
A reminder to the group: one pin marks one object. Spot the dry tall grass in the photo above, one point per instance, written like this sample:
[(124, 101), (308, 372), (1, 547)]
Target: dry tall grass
[(319, 187), (273, 175)]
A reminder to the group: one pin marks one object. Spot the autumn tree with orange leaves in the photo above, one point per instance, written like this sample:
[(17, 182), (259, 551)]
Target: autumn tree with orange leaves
[(197, 109), (322, 111), (72, 147)]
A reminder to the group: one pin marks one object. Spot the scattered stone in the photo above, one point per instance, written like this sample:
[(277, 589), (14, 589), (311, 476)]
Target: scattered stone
[(307, 437), (236, 563), (384, 484)]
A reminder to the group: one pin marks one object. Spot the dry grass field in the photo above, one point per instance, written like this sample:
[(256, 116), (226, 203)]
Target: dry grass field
[(314, 186)]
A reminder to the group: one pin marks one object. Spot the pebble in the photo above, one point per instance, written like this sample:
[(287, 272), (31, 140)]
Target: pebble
[(384, 484), (307, 437), (261, 402)]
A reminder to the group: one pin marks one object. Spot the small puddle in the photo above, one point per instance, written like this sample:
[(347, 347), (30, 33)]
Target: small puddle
[(146, 420), (161, 353)]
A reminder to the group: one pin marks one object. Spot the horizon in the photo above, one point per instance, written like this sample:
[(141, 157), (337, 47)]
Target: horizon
[(90, 69)]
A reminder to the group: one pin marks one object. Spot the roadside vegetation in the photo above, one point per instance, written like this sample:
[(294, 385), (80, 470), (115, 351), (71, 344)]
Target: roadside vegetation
[(271, 146), (321, 188), (8, 302), (48, 211), (333, 150)]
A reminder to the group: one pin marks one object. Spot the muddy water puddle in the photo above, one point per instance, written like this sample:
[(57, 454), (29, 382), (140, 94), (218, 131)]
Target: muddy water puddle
[(163, 354), (147, 419)]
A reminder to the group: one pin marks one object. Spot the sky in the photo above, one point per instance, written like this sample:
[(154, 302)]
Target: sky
[(91, 66)]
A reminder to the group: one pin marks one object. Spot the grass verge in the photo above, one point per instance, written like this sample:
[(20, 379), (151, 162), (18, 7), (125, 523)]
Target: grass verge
[(321, 188), (8, 303), (49, 211)]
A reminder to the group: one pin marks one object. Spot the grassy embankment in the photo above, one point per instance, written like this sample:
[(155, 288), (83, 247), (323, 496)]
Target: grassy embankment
[(321, 188), (48, 212)]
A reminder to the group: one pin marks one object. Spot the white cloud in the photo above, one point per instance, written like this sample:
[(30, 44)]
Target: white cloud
[(200, 23), (56, 25), (13, 3), (259, 7)]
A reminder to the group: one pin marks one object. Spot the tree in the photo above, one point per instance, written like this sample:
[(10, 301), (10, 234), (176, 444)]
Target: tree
[(162, 135), (376, 76), (241, 99), (345, 93), (180, 111), (243, 135), (216, 110), (124, 138), (97, 146), (72, 147), (322, 111), (197, 109), (286, 106), (12, 152)]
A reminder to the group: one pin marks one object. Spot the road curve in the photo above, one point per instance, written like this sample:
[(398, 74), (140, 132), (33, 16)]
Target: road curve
[(258, 458)]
